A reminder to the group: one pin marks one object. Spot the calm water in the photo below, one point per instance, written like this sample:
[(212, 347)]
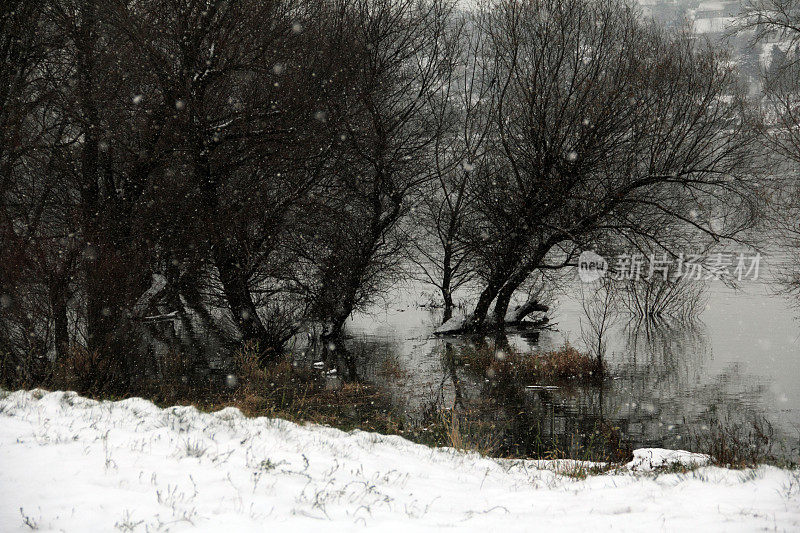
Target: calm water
[(739, 362)]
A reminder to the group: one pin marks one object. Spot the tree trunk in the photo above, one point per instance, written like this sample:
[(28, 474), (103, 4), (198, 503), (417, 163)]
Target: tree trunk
[(381, 221), (513, 282), (232, 274), (496, 283), (240, 301), (447, 296), (478, 317), (98, 309), (447, 279), (506, 292), (58, 306), (337, 321)]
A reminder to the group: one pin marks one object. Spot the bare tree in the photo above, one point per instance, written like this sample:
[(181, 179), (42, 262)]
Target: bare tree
[(659, 298), (600, 313), (776, 23), (253, 168), (387, 138), (238, 82), (603, 124), (442, 251), (36, 269)]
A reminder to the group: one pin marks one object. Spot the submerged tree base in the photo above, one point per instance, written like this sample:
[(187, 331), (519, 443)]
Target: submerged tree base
[(461, 325)]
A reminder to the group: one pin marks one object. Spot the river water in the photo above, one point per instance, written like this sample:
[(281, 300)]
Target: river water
[(737, 364)]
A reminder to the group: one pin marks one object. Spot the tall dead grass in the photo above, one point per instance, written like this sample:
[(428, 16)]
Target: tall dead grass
[(563, 365), (464, 434)]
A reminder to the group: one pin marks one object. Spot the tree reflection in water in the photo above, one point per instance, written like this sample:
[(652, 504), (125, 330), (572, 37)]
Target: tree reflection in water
[(658, 391)]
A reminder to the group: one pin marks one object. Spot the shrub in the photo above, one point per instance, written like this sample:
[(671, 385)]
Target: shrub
[(742, 444), (248, 365), (84, 371), (566, 364), (466, 434)]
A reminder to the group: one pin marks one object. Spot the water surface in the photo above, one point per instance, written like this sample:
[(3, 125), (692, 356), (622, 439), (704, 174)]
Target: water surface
[(738, 363)]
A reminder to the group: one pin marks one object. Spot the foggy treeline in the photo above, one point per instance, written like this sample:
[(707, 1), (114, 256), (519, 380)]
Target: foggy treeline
[(254, 169)]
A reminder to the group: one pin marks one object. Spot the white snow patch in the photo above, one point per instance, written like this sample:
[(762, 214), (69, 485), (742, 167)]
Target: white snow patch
[(649, 459), (454, 324), (72, 464)]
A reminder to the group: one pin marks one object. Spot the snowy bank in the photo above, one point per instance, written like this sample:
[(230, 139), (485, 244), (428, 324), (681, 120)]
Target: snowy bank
[(72, 464)]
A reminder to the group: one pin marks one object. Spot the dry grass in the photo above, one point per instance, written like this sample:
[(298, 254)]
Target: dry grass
[(463, 435), (300, 394), (604, 444), (582, 469), (246, 359), (564, 365), (742, 444), (83, 371), (286, 391)]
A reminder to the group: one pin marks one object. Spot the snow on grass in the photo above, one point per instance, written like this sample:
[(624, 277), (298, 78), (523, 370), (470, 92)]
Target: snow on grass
[(72, 464), (651, 459)]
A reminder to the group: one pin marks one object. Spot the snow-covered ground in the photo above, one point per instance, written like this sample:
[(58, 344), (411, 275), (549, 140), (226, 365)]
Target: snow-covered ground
[(72, 464)]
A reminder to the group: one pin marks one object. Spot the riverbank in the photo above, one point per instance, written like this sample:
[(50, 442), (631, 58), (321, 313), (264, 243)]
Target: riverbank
[(74, 464)]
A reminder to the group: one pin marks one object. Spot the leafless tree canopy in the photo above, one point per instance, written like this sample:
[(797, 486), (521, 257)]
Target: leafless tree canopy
[(606, 130), (776, 23), (249, 170)]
